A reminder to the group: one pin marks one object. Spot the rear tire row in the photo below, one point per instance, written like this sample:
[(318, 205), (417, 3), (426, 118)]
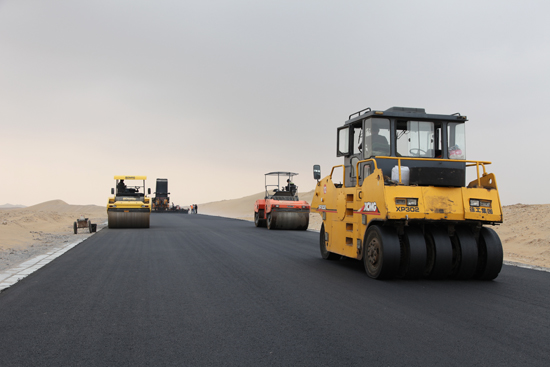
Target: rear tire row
[(431, 253)]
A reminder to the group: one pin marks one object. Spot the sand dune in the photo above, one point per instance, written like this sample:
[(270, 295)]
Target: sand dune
[(19, 226), (525, 234), (241, 208), (63, 207), (33, 230)]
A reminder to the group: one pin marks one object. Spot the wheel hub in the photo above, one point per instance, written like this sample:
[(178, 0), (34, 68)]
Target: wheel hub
[(373, 252)]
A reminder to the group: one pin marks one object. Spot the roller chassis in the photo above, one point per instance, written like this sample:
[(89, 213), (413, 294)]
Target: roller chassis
[(281, 214), (442, 236)]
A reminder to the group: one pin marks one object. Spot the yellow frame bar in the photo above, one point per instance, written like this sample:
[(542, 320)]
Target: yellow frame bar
[(473, 163), (343, 172)]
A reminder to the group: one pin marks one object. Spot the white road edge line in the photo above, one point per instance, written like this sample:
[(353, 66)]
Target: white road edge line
[(13, 275)]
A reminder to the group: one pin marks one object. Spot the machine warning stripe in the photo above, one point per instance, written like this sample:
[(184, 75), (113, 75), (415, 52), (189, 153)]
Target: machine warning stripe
[(324, 209), (367, 213), (360, 211)]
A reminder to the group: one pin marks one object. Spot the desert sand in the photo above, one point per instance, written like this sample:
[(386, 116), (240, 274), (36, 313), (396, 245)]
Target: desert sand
[(243, 208), (32, 231), (35, 230), (525, 233)]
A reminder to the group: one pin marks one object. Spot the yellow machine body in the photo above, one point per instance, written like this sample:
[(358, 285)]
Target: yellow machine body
[(402, 204), (347, 212), (129, 208)]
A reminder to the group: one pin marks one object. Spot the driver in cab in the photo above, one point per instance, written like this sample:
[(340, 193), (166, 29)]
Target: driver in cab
[(379, 144), (121, 187)]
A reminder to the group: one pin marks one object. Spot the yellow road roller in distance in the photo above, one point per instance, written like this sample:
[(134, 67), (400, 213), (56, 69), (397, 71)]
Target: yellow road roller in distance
[(129, 207)]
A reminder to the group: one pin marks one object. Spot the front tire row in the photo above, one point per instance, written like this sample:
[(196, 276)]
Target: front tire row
[(428, 252)]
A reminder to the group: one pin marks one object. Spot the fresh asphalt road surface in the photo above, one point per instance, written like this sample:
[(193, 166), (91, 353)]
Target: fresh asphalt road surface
[(197, 290)]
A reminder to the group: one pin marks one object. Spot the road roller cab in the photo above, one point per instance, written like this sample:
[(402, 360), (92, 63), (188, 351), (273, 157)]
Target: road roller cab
[(401, 202), (281, 208), (129, 207)]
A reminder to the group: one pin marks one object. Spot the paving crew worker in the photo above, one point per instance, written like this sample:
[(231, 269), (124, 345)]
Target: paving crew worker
[(290, 187), (121, 187)]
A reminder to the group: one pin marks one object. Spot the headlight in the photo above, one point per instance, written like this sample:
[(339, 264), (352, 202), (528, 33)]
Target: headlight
[(400, 202), (412, 202), (486, 204), (474, 202)]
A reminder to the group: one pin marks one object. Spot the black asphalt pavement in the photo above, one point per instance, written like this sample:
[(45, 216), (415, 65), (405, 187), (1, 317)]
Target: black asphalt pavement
[(197, 290)]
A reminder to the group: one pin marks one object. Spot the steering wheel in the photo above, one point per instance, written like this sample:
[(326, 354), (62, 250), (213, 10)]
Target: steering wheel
[(417, 151)]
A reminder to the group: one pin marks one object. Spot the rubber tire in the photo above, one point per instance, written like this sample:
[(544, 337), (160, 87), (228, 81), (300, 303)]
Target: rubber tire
[(490, 255), (257, 221), (383, 243), (413, 261), (269, 222), (327, 255), (75, 228), (466, 254), (306, 226), (439, 248)]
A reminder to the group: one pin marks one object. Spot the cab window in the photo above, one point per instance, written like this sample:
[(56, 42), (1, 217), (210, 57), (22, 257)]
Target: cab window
[(377, 138), (343, 141), (417, 139), (456, 134)]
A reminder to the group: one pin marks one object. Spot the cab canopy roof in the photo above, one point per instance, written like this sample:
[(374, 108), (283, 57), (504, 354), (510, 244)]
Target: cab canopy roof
[(405, 113), (130, 177), (281, 174)]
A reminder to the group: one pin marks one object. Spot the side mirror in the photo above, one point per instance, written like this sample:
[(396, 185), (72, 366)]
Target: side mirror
[(149, 190), (317, 172), (112, 191)]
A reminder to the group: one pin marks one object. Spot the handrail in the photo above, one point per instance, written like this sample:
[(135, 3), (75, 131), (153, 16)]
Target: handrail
[(357, 168), (399, 159), (358, 113)]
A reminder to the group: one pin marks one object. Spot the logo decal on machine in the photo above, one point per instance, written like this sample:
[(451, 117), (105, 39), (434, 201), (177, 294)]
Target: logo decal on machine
[(370, 207), (325, 189)]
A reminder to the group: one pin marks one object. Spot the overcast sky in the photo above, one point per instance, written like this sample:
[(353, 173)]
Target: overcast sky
[(213, 94)]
